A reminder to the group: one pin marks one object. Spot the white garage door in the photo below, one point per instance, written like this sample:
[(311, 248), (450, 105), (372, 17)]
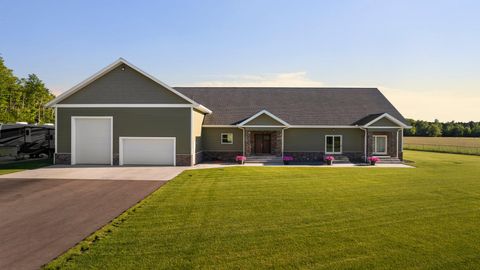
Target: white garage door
[(91, 140), (147, 151)]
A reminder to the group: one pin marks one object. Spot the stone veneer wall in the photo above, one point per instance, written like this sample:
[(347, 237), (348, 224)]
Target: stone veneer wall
[(391, 142), (63, 159), (183, 160), (275, 142), (198, 157), (220, 156), (66, 159), (319, 156)]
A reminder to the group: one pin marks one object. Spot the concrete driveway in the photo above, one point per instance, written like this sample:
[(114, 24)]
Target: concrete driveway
[(100, 173), (42, 218)]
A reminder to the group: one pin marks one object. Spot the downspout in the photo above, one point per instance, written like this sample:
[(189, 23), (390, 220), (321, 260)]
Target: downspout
[(243, 146), (397, 143), (401, 145), (283, 139), (364, 143)]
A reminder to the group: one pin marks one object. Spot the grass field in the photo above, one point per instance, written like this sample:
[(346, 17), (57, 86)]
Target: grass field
[(290, 218), (458, 145), (24, 165)]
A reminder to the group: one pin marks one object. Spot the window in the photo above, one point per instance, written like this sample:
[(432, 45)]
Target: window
[(227, 138), (333, 144), (380, 144)]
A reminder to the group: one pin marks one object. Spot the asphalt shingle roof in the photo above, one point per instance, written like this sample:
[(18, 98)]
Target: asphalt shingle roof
[(297, 106)]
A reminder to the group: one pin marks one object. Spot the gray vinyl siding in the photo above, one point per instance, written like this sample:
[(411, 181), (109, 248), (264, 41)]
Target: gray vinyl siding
[(263, 120), (313, 139), (124, 87), (211, 140), (135, 122), (384, 122)]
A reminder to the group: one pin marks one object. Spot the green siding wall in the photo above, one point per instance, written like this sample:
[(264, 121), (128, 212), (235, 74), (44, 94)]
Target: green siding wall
[(140, 122), (263, 120), (123, 87), (313, 139), (384, 122), (211, 139)]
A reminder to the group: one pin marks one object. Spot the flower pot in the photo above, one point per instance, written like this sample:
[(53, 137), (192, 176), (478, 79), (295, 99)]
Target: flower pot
[(285, 162), (329, 162), (240, 162), (372, 162)]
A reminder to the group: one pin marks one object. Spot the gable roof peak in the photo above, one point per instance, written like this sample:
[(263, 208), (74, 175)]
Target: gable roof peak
[(261, 112), (112, 66)]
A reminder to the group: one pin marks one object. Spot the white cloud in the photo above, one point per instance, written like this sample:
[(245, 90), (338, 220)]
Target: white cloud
[(292, 79)]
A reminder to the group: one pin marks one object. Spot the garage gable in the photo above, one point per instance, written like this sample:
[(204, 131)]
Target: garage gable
[(121, 83)]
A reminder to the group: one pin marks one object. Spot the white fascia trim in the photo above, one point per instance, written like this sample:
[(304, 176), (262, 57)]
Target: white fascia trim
[(321, 126), (202, 109), (389, 117), (379, 127), (262, 126), (220, 126), (143, 105), (264, 112), (108, 69), (291, 126)]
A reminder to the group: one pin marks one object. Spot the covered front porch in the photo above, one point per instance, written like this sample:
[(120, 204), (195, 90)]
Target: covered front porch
[(261, 142)]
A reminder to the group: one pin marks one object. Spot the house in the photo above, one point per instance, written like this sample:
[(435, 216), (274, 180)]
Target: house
[(122, 115)]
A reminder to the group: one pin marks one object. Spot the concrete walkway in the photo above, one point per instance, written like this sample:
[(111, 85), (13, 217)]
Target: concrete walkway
[(340, 165), (150, 173)]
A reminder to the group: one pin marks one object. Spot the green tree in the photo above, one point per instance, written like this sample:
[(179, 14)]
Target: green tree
[(9, 93), (434, 129), (23, 99), (34, 97)]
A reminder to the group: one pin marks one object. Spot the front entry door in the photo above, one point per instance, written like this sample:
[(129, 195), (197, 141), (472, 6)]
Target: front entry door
[(262, 143)]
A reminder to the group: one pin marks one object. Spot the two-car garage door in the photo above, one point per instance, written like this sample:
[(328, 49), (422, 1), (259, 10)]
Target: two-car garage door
[(147, 151), (92, 139)]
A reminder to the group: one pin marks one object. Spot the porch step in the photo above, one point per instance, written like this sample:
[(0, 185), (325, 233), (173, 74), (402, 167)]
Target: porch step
[(341, 159), (389, 160), (264, 159)]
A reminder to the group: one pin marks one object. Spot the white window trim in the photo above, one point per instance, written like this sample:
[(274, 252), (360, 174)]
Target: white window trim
[(375, 145), (221, 138), (122, 139), (341, 144), (73, 160)]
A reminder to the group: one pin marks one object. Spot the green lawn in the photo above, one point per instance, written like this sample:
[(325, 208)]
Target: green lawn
[(309, 218), (24, 165)]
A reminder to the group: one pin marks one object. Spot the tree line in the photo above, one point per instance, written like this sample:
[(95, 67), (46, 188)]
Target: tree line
[(443, 129), (23, 99)]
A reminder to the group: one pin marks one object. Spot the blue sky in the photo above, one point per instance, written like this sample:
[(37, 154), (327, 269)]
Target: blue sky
[(423, 55)]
